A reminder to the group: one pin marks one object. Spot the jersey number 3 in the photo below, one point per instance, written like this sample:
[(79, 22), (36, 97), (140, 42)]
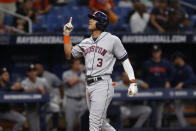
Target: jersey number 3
[(100, 61)]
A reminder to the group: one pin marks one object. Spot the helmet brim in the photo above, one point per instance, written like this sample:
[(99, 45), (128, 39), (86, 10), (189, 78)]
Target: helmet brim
[(90, 16)]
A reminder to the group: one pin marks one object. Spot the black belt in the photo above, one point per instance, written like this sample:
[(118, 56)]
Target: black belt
[(91, 80), (75, 98)]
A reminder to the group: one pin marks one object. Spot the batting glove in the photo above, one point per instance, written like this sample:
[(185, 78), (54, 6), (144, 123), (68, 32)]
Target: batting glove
[(68, 27), (132, 90)]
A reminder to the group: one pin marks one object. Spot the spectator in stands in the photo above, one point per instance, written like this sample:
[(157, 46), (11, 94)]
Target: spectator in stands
[(55, 91), (3, 30), (147, 3), (42, 6), (135, 3), (158, 73), (139, 19), (106, 6), (184, 78), (186, 25), (61, 2), (173, 24), (155, 3), (5, 109), (180, 12), (158, 18), (34, 84), (27, 11), (125, 3), (178, 18), (130, 110), (9, 5)]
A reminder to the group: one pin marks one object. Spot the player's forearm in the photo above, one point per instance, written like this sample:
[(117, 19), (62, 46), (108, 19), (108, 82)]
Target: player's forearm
[(32, 89), (67, 47), (128, 69), (73, 81), (61, 90)]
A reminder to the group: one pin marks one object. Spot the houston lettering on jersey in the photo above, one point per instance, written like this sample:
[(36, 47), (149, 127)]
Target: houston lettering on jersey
[(95, 49), (157, 69)]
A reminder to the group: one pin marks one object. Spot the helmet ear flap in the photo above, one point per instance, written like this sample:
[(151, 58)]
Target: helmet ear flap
[(99, 26)]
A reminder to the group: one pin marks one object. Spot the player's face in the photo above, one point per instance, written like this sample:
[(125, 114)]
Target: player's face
[(92, 24), (163, 5), (32, 74), (28, 4), (5, 76), (125, 78), (156, 54), (40, 69), (76, 65), (178, 61)]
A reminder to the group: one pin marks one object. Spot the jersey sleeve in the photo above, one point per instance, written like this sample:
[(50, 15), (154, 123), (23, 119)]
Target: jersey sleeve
[(77, 51), (66, 77), (45, 83), (24, 84), (119, 50), (56, 81)]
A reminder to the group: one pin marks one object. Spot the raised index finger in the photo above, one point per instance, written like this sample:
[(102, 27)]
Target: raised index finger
[(70, 20)]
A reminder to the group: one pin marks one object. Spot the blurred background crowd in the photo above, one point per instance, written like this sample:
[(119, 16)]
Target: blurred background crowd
[(135, 16), (67, 108), (163, 66)]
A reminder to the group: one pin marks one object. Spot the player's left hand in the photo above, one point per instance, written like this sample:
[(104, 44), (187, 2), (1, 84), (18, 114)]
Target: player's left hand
[(132, 90), (67, 29)]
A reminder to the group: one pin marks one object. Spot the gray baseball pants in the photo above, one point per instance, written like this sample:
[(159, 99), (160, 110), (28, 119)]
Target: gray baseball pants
[(14, 116), (99, 96)]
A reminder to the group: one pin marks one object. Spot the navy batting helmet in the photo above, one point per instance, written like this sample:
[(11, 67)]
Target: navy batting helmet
[(102, 20)]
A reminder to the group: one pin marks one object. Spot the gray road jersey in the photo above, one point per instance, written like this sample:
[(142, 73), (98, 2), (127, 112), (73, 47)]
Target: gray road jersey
[(40, 82), (76, 90), (53, 82), (100, 55), (52, 79)]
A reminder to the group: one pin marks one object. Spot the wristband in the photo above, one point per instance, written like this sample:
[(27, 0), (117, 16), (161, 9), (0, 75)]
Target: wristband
[(67, 39), (132, 81)]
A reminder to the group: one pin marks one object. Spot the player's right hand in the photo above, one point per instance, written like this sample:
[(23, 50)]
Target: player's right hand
[(41, 90), (67, 29), (132, 90)]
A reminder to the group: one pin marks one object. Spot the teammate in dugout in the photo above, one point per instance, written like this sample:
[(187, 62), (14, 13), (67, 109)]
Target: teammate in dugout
[(158, 72), (100, 52), (31, 84), (132, 110), (5, 109), (56, 93), (74, 81)]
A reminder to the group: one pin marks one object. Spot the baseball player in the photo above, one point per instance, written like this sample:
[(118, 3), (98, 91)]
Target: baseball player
[(136, 110), (100, 52), (5, 110), (31, 84), (55, 88), (74, 80)]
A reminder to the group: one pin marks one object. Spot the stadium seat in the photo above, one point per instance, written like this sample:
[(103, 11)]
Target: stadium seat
[(8, 20)]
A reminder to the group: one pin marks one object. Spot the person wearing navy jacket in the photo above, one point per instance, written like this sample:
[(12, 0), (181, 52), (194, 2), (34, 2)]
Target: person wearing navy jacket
[(184, 78), (158, 73)]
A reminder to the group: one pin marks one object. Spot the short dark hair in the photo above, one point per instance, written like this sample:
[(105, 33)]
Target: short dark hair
[(178, 54), (71, 62), (3, 70)]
